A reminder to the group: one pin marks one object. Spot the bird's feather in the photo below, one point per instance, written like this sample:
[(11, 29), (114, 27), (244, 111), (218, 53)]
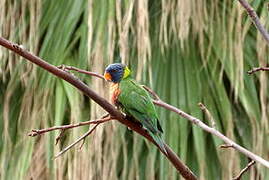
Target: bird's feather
[(136, 101)]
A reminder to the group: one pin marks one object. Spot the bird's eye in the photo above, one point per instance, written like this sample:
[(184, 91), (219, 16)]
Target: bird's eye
[(113, 70)]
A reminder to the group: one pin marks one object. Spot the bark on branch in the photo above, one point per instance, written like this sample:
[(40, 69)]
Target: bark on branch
[(254, 17), (229, 143), (244, 170), (36, 132), (172, 157), (258, 69), (215, 132), (77, 141)]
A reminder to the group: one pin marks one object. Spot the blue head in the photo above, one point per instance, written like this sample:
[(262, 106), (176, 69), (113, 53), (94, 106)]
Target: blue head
[(116, 72)]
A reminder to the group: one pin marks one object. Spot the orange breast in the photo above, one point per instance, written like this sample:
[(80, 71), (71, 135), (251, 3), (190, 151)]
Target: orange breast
[(115, 93)]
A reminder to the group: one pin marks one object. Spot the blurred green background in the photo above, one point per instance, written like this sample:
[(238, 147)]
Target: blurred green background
[(187, 51)]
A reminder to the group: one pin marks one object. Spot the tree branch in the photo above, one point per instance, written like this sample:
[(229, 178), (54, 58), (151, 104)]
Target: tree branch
[(173, 158), (229, 143), (69, 126), (225, 146), (77, 141), (36, 132), (258, 69), (244, 170), (208, 114), (213, 131), (155, 96), (71, 68), (58, 137), (253, 15)]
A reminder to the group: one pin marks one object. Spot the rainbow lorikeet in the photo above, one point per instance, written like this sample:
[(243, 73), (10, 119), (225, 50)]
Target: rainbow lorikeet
[(134, 100)]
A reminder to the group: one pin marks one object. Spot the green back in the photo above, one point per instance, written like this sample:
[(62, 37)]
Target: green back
[(135, 101)]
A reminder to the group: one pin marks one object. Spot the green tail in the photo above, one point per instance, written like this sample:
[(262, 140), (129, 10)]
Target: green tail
[(157, 138)]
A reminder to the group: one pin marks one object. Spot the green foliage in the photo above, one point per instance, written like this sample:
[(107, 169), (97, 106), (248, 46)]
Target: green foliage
[(188, 52)]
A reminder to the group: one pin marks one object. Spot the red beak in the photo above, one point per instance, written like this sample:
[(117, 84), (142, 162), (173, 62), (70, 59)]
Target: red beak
[(107, 76)]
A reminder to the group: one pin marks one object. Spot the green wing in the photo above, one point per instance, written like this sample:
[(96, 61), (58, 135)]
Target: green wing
[(136, 102)]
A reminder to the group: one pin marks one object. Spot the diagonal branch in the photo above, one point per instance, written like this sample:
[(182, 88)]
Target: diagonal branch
[(103, 119), (254, 17), (155, 96), (244, 170), (172, 157), (77, 141), (58, 137), (229, 143), (213, 131)]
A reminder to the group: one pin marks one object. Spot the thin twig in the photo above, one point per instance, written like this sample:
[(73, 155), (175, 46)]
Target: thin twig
[(208, 114), (59, 136), (71, 68), (77, 141), (104, 116), (82, 144), (244, 170), (258, 69), (155, 96), (253, 15), (36, 132), (226, 146), (172, 157)]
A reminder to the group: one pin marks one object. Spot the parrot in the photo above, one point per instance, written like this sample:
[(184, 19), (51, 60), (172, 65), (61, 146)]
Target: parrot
[(132, 99)]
